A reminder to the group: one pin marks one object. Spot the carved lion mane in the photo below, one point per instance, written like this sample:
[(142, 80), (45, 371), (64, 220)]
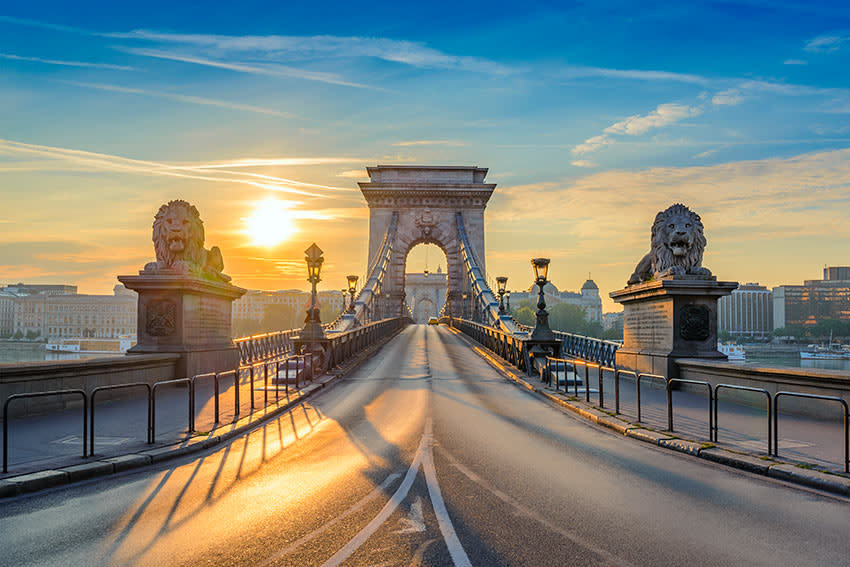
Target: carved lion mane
[(178, 240), (676, 249)]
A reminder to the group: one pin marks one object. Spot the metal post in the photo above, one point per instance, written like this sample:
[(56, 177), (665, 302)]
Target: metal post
[(601, 398)]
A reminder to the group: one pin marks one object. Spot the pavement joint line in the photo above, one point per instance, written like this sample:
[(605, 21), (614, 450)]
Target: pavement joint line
[(50, 478), (788, 472)]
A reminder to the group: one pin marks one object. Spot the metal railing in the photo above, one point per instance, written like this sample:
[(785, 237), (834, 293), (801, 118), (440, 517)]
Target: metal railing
[(617, 373), (272, 355), (512, 350), (747, 389), (502, 343), (588, 348), (191, 399), (640, 376), (14, 397), (846, 420), (92, 404), (259, 348), (670, 383)]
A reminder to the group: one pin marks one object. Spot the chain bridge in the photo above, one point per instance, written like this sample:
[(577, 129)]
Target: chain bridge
[(369, 440)]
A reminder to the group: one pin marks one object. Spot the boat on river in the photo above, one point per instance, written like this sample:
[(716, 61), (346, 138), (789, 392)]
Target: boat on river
[(92, 346), (733, 352), (831, 351)]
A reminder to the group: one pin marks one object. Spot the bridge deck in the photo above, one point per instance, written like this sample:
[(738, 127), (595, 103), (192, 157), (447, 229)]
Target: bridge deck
[(427, 456)]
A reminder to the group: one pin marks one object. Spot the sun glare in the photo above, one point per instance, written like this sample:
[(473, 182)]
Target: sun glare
[(271, 223)]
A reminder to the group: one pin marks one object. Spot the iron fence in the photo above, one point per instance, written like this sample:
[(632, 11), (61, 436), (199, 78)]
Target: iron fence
[(720, 387), (595, 355), (93, 394), (14, 397), (845, 419), (271, 355)]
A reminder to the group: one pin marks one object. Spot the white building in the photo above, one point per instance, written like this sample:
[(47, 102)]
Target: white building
[(747, 311), (425, 293), (7, 313), (58, 316)]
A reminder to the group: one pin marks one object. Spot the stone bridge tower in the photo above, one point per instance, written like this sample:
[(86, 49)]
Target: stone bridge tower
[(426, 199)]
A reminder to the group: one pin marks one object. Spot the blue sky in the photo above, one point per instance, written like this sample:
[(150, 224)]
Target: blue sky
[(591, 116)]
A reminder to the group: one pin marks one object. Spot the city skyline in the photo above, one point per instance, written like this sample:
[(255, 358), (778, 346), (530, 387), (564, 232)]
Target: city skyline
[(588, 124)]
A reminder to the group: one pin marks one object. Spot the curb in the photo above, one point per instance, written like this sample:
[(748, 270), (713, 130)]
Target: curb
[(788, 472), (50, 478)]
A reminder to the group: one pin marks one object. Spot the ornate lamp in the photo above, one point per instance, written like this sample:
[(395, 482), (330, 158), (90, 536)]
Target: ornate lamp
[(541, 332), (313, 323), (508, 301), (503, 282), (541, 270), (463, 296), (377, 309), (352, 287)]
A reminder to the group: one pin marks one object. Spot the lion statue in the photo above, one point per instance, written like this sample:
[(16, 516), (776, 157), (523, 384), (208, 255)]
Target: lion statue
[(677, 246), (178, 239)]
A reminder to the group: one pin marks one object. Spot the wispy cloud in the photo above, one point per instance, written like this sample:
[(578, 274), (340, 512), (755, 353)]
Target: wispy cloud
[(795, 62), (44, 25), (213, 172), (412, 53), (181, 98), (269, 69), (729, 97), (581, 71), (219, 50), (706, 153), (663, 115), (108, 66), (592, 144), (582, 163), (452, 143), (828, 43)]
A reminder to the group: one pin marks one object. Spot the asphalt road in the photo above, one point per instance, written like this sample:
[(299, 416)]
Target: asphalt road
[(427, 456)]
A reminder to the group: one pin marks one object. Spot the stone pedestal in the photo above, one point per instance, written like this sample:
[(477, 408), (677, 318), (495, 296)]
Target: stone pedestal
[(187, 315), (669, 319)]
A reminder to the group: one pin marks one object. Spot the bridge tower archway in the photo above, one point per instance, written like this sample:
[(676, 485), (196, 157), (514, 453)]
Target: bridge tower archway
[(425, 200)]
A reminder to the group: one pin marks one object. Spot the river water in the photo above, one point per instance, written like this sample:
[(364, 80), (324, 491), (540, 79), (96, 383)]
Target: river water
[(35, 352), (793, 361)]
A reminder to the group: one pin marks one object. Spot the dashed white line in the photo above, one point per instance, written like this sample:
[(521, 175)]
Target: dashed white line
[(456, 550), (384, 514)]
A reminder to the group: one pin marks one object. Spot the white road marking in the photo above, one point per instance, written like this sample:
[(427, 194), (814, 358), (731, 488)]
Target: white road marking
[(522, 510), (377, 491), (385, 512), (459, 556), (415, 520)]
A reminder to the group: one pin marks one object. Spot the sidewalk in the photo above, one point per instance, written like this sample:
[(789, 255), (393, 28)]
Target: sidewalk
[(816, 462), (46, 451)]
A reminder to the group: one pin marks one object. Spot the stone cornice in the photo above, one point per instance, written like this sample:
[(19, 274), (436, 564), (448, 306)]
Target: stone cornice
[(428, 198), (431, 186)]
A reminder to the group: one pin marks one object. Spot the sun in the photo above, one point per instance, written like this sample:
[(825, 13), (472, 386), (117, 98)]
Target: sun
[(271, 223)]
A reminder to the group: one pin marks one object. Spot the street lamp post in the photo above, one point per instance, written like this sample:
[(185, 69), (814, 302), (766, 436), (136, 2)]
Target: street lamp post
[(542, 342), (464, 296), (508, 301), (313, 324), (541, 332), (352, 287), (503, 282)]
